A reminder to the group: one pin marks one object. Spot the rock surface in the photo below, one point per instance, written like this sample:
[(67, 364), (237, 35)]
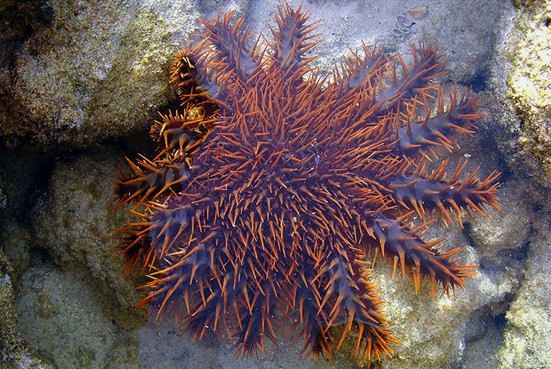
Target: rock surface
[(527, 337), (526, 47), (78, 73), (94, 70), (62, 314), (520, 82), (74, 219), (14, 351)]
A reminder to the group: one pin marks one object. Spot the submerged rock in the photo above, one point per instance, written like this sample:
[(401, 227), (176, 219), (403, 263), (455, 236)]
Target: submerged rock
[(95, 70), (527, 47), (528, 334), (14, 351), (84, 73), (62, 315), (73, 221)]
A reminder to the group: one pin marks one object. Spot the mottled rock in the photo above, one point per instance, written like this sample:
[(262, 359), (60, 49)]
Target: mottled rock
[(62, 315), (14, 352), (504, 231), (463, 30), (73, 222), (179, 351), (528, 334), (94, 70), (527, 49), (433, 333), (16, 244), (520, 82)]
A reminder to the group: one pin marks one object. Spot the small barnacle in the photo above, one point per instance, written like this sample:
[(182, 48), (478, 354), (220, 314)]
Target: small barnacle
[(402, 27)]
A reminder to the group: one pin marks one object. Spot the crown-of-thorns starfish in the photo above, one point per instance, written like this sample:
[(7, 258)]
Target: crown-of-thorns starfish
[(276, 188)]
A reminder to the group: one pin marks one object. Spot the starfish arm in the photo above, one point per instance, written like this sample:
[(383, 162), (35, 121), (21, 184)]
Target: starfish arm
[(257, 302), (422, 258), (409, 83), (354, 105), (440, 124), (211, 291), (360, 71), (182, 282), (426, 193), (181, 134), (149, 179), (374, 88), (230, 59), (349, 301), (134, 245), (157, 233), (291, 39), (192, 82), (240, 303), (311, 325)]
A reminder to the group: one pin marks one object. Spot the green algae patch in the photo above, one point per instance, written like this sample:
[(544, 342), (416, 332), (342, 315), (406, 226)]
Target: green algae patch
[(530, 80), (137, 81), (91, 72)]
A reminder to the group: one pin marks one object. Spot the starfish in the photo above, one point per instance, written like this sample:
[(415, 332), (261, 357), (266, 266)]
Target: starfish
[(276, 187)]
